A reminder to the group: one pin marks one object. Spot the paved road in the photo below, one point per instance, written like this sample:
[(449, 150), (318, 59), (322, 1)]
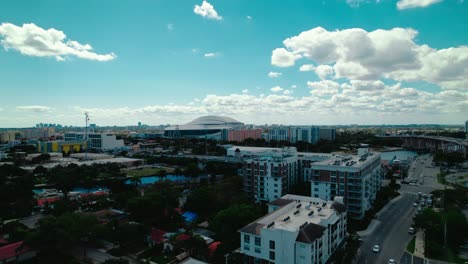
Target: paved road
[(392, 233)]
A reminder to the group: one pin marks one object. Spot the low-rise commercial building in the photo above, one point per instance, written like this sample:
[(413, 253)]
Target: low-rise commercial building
[(297, 229), (98, 141), (61, 146)]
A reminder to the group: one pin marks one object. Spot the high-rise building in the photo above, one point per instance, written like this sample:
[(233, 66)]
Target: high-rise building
[(280, 133), (297, 229), (357, 178), (239, 135), (308, 134), (327, 133), (269, 173)]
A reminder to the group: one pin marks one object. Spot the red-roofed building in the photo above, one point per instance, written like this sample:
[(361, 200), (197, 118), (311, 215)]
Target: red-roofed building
[(213, 247), (183, 237), (43, 201), (16, 252), (157, 235)]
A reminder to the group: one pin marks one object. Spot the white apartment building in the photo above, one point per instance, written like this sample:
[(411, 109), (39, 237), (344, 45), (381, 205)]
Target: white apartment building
[(297, 229), (100, 141), (269, 173), (269, 176), (357, 178)]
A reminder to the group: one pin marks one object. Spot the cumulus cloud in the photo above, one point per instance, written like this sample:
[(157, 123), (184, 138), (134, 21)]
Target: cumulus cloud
[(276, 89), (283, 58), (249, 17), (170, 27), (207, 10), (245, 91), (307, 67), (211, 54), (274, 74), (324, 87), (357, 101), (35, 41), (406, 4), (356, 54), (34, 108)]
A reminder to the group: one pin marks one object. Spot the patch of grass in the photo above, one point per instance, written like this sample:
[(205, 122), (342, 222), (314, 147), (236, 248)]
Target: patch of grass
[(411, 245), (441, 178)]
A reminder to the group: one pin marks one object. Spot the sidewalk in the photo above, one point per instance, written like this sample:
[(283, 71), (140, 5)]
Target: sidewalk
[(419, 245)]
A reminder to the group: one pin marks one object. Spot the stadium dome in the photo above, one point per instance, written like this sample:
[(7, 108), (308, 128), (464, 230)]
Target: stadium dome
[(203, 127), (214, 120)]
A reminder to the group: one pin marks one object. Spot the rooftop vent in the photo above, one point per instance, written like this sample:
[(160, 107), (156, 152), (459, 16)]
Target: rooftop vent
[(286, 219), (303, 225), (324, 204), (319, 209), (297, 212), (299, 206), (271, 224), (311, 213)]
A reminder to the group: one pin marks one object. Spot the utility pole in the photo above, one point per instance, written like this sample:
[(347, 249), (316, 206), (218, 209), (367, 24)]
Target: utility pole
[(86, 135)]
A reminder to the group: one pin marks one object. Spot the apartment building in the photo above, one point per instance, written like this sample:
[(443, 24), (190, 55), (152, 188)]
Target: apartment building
[(269, 176), (357, 178), (297, 229), (294, 134), (99, 141), (269, 173), (241, 134)]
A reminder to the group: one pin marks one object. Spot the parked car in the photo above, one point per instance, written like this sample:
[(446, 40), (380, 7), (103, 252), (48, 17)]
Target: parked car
[(419, 209), (376, 248), (391, 261), (411, 230), (415, 204)]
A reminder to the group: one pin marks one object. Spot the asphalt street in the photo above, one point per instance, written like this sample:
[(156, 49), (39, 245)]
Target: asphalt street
[(392, 234)]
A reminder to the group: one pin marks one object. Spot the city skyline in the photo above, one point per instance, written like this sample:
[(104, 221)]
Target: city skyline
[(161, 62)]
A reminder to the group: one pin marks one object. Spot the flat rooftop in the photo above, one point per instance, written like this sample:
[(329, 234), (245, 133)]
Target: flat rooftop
[(349, 160), (293, 216)]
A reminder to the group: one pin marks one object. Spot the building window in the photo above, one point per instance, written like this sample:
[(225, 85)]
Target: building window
[(275, 191), (257, 250), (316, 190), (333, 173), (316, 195), (276, 185), (272, 244), (276, 196), (272, 255), (247, 247), (246, 239), (315, 183), (258, 241)]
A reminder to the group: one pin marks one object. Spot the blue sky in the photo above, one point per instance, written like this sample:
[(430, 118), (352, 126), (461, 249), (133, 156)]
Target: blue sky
[(290, 62)]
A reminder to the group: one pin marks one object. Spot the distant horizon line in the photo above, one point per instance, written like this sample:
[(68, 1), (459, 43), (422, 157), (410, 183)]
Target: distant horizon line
[(329, 125)]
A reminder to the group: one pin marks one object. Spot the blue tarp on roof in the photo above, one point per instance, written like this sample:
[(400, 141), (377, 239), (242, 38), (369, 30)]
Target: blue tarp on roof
[(189, 216)]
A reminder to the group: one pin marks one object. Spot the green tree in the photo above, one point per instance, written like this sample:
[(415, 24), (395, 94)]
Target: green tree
[(226, 223)]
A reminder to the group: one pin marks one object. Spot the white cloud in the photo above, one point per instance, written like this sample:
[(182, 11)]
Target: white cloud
[(207, 10), (323, 71), (274, 74), (32, 40), (245, 91), (307, 67), (406, 4), (356, 54), (359, 101), (324, 87), (293, 86), (34, 108), (170, 27), (283, 58), (194, 50), (211, 54), (249, 17), (276, 89), (1, 109)]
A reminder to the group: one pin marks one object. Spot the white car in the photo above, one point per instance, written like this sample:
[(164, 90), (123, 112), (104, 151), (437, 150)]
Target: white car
[(391, 261), (419, 209), (415, 204), (411, 230), (376, 248)]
